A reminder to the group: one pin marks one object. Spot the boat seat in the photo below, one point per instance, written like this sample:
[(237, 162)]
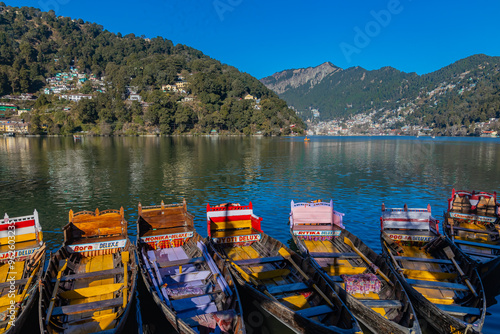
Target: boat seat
[(344, 270), (261, 260), (428, 275), (334, 255), (188, 277), (422, 259), (278, 289), (166, 255), (459, 310), (94, 275), (381, 303), (437, 285), (336, 278), (263, 275), (190, 307), (165, 231), (93, 291), (315, 311), (477, 244), (295, 302), (88, 307), (172, 271)]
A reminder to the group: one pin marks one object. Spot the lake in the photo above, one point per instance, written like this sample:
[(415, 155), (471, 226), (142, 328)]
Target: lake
[(54, 175)]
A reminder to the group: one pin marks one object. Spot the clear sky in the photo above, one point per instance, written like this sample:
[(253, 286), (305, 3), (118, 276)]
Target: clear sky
[(264, 37)]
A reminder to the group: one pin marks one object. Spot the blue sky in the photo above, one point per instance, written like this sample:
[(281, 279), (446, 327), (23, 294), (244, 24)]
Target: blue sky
[(263, 37)]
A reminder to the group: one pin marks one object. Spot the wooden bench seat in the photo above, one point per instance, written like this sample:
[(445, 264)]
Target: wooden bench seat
[(459, 310), (421, 259), (171, 230), (279, 289), (259, 260), (477, 244), (315, 311), (85, 240), (188, 277), (88, 307), (334, 255), (380, 303), (428, 275), (234, 233), (437, 285), (95, 275)]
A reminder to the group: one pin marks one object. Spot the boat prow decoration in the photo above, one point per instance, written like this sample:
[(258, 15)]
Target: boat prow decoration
[(315, 220), (233, 224), (90, 281), (443, 283), (22, 255)]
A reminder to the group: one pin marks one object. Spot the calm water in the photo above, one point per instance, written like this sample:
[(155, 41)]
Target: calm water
[(55, 175)]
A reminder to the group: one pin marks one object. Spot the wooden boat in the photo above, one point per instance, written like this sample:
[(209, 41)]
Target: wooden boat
[(191, 286), (90, 281), (375, 296), (442, 282), (282, 282), (22, 254), (471, 222)]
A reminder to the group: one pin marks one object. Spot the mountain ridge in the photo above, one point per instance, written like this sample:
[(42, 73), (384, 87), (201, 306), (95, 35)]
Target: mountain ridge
[(458, 94)]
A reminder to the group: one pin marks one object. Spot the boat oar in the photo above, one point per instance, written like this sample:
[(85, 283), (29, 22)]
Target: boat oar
[(125, 259), (54, 293), (370, 263), (283, 252), (398, 268), (449, 253)]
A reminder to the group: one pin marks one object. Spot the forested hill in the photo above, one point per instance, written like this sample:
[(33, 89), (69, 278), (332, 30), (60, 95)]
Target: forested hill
[(180, 89), (463, 93)]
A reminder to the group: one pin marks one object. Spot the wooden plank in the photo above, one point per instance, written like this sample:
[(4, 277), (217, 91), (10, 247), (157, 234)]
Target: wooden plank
[(478, 231), (259, 260), (180, 253), (381, 303), (315, 311), (477, 244), (421, 259), (344, 270), (16, 283), (185, 304), (188, 277), (433, 284), (87, 307), (334, 255), (287, 288), (459, 310), (231, 224), (95, 275), (183, 262), (428, 275), (336, 278), (296, 302), (91, 291), (271, 274)]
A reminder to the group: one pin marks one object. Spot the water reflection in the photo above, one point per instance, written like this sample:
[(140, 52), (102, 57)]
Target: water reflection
[(54, 175)]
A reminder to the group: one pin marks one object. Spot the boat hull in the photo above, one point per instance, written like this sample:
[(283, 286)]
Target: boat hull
[(288, 317), (439, 320), (369, 318), (46, 290)]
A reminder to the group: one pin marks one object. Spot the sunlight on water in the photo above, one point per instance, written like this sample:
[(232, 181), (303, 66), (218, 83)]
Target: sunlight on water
[(55, 175)]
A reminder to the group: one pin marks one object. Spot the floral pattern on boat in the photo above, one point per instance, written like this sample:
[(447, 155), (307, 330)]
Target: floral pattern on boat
[(361, 283)]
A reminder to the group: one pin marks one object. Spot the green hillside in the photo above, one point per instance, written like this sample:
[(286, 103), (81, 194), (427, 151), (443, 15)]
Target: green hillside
[(36, 45)]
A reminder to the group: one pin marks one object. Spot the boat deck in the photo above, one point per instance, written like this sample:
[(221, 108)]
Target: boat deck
[(427, 271), (337, 266), (92, 290)]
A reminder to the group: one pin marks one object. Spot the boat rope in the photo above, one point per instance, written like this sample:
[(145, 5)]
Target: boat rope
[(469, 326)]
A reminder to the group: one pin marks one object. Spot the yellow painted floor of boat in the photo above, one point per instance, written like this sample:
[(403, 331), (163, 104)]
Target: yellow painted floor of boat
[(5, 273), (476, 237), (342, 267), (438, 296), (296, 302), (101, 320)]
